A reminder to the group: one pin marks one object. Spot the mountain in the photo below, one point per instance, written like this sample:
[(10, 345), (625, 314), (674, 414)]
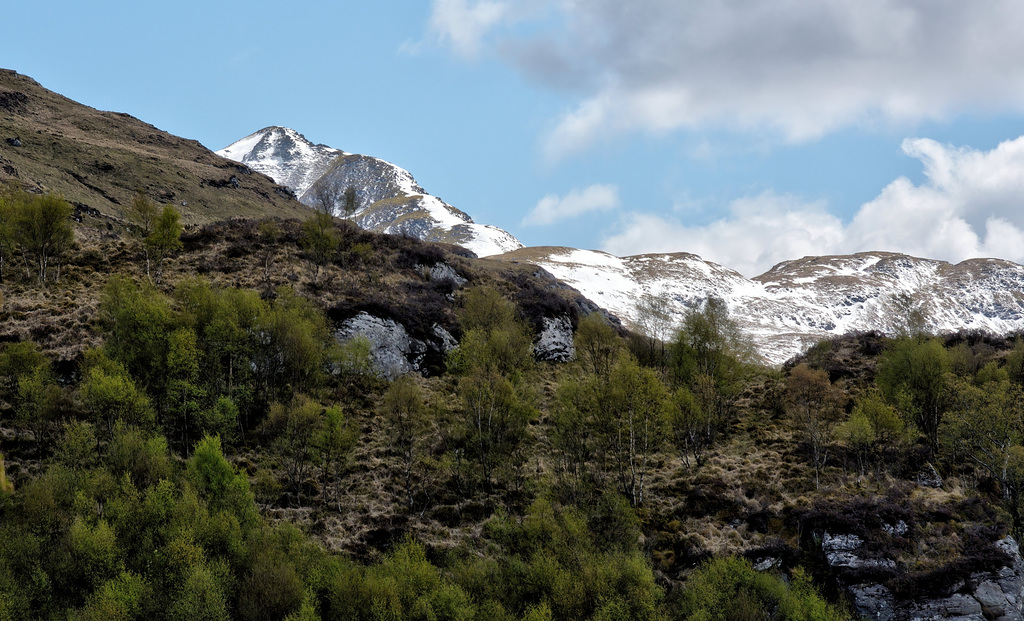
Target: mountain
[(800, 302), (388, 198), (99, 160)]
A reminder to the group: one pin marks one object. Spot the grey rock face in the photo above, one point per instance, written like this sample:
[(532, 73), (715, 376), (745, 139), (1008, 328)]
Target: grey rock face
[(394, 352), (996, 595), (442, 272), (555, 343)]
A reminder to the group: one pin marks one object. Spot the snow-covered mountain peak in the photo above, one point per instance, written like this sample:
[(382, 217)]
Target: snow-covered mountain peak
[(388, 198), (284, 155)]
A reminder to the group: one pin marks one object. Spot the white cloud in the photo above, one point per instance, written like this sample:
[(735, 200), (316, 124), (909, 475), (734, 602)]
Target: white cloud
[(463, 23), (553, 208), (758, 233), (794, 68), (971, 205)]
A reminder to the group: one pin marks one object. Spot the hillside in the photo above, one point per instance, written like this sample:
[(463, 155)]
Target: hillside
[(99, 160)]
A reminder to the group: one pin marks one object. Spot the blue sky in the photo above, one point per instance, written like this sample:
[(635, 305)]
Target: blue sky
[(746, 131)]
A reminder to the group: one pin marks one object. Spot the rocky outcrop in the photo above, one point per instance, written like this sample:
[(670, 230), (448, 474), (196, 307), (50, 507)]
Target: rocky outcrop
[(392, 350), (996, 595), (555, 342)]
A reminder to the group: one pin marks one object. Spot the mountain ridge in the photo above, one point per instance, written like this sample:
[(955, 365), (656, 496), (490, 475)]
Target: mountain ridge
[(799, 302)]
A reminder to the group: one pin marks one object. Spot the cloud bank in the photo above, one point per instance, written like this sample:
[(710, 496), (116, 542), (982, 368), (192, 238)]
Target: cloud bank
[(553, 208), (788, 67), (970, 205)]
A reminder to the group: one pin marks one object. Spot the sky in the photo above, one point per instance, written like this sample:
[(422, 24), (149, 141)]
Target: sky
[(748, 132)]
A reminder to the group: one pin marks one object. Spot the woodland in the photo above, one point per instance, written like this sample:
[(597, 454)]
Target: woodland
[(183, 437)]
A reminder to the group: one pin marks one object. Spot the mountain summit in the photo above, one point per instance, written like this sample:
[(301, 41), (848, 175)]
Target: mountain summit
[(388, 198)]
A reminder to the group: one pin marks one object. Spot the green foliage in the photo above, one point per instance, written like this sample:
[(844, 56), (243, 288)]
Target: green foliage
[(985, 425), (19, 360), (293, 426), (185, 395), (709, 345), (494, 424), (729, 589), (333, 441), (110, 396), (352, 358), (552, 559), (494, 338), (405, 415), (912, 376), (692, 428), (637, 404), (146, 460), (42, 228), (164, 239), (200, 598), (136, 320), (217, 482), (220, 420), (319, 241), (121, 598), (597, 344)]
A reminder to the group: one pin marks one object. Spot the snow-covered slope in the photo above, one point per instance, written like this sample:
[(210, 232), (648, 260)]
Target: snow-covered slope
[(388, 198), (797, 303)]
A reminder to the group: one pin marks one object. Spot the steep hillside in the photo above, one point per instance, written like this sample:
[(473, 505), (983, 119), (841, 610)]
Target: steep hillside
[(388, 198), (101, 159), (797, 303)]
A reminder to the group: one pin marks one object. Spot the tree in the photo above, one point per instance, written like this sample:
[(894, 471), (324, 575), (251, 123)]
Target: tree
[(143, 214), (294, 426), (8, 219), (495, 420), (184, 392), (350, 202), (43, 230), (912, 375), (165, 238), (637, 405), (654, 322), (985, 425), (596, 344), (813, 406), (332, 443), (405, 416), (110, 395), (319, 241), (692, 428), (325, 195), (269, 233), (709, 358)]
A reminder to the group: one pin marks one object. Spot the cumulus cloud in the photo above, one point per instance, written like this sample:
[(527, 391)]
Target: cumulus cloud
[(970, 205), (553, 208), (759, 232), (791, 67)]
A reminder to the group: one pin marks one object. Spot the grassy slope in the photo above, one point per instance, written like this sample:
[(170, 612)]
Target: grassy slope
[(100, 159)]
